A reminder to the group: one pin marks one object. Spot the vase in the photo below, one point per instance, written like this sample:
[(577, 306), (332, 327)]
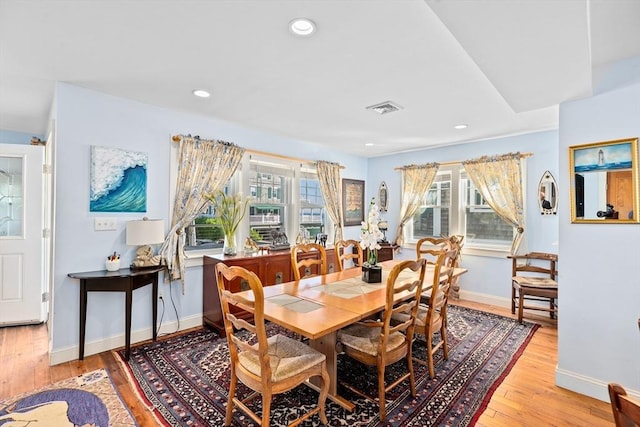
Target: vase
[(372, 258), (230, 245)]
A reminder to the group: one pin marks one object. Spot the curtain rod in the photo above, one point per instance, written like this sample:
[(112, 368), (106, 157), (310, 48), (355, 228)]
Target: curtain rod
[(177, 138), (459, 162)]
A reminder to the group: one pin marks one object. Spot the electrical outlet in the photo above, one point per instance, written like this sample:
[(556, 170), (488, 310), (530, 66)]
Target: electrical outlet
[(105, 224), (160, 292)]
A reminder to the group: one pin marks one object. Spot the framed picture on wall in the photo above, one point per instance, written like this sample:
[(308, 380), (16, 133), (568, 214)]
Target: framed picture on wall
[(353, 201)]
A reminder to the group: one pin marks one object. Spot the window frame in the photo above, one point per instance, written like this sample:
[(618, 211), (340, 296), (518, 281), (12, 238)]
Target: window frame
[(457, 218)]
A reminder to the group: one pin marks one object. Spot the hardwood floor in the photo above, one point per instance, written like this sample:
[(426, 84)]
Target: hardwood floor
[(527, 397)]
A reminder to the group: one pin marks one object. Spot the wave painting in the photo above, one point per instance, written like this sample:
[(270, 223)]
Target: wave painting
[(118, 180)]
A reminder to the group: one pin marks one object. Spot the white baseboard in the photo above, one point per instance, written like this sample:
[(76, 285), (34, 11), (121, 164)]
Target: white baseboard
[(484, 298), (117, 341), (586, 385)]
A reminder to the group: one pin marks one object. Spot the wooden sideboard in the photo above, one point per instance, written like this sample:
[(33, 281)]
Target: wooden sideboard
[(385, 253), (271, 268)]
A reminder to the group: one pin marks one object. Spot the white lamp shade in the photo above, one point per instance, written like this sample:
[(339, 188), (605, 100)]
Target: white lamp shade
[(145, 232)]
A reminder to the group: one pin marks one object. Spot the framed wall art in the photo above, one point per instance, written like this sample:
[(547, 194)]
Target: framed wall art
[(604, 182), (118, 180), (353, 201)]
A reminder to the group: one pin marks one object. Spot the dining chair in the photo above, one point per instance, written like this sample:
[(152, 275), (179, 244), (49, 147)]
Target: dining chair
[(309, 257), (432, 315), (356, 254), (379, 342), (533, 278), (272, 365), (626, 411), (427, 244)]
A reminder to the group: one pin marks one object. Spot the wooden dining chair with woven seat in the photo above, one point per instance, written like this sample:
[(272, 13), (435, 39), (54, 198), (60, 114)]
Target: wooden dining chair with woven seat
[(432, 315), (311, 258), (272, 365), (626, 410), (356, 254), (533, 279), (379, 342)]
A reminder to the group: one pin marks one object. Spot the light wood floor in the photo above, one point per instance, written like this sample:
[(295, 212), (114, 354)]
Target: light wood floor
[(527, 397)]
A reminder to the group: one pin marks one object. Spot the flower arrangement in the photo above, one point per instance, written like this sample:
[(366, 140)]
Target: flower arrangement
[(370, 233), (230, 210)]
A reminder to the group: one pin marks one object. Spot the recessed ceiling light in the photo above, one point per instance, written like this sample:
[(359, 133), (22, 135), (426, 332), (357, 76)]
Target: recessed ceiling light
[(369, 144), (302, 26), (201, 93), (461, 126)]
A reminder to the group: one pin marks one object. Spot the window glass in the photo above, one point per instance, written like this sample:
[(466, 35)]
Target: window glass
[(312, 213), (433, 217)]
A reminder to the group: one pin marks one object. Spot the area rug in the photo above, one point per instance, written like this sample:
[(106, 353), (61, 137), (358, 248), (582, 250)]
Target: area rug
[(89, 399), (184, 379)]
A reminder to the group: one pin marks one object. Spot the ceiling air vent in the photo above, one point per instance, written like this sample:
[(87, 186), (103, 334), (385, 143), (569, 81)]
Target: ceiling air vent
[(384, 107)]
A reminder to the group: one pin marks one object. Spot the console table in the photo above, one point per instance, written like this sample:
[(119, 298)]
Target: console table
[(124, 280)]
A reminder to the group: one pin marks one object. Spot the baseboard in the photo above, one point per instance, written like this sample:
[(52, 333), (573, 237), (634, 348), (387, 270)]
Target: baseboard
[(117, 341), (484, 298), (588, 386)]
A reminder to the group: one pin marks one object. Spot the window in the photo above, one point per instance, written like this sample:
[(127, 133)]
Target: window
[(453, 205), (286, 197)]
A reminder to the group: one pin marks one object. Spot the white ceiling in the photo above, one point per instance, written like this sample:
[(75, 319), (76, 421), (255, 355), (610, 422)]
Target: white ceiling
[(501, 67)]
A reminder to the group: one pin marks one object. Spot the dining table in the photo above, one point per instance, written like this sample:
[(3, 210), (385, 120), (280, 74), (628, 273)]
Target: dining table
[(317, 307)]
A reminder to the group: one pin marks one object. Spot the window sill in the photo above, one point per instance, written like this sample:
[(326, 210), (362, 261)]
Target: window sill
[(477, 250), (193, 258)]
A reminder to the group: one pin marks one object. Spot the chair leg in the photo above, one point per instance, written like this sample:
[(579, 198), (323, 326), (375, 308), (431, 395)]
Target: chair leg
[(432, 372), (513, 299), (445, 344), (381, 393), (552, 304), (266, 408), (520, 305), (324, 392), (232, 394)]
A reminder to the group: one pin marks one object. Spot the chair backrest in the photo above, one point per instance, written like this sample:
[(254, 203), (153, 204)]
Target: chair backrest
[(342, 255), (313, 264), (541, 263), (233, 325), (626, 411), (427, 245), (445, 261), (400, 282)]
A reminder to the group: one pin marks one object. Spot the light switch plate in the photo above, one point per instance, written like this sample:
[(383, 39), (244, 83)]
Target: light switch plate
[(105, 224)]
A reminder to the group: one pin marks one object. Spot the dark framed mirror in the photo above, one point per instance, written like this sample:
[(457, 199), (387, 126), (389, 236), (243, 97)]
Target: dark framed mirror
[(548, 194), (604, 182)]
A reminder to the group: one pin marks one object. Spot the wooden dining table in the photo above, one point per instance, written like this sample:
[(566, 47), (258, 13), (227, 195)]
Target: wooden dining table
[(318, 307)]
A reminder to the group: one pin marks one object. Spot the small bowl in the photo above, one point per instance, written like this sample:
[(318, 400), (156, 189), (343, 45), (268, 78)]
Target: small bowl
[(112, 265)]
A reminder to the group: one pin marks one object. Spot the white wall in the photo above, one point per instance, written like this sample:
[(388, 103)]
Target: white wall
[(85, 118), (12, 137), (488, 279), (599, 341)]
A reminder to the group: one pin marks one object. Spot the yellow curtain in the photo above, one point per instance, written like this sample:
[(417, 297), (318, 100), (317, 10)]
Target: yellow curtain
[(416, 180), (204, 167), (499, 180), (329, 177)]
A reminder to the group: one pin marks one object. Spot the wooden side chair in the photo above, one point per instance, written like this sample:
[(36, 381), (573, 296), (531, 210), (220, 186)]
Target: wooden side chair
[(356, 253), (311, 258), (626, 411), (383, 342), (426, 245), (432, 315), (533, 278), (272, 365)]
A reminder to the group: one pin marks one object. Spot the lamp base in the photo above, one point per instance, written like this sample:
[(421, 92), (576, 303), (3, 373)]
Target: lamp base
[(371, 273)]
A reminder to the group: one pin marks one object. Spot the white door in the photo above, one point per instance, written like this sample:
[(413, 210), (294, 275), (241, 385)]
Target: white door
[(21, 234)]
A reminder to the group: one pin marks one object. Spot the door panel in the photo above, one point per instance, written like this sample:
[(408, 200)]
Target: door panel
[(21, 241)]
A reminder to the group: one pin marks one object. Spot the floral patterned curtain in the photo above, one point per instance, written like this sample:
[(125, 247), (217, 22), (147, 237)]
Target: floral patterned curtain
[(499, 180), (204, 167), (416, 180), (329, 177)]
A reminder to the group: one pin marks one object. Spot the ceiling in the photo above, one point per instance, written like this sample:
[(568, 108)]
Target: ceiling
[(501, 67)]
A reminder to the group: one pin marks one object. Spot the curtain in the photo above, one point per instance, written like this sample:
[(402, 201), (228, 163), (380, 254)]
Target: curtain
[(416, 180), (204, 167), (499, 181), (329, 177)]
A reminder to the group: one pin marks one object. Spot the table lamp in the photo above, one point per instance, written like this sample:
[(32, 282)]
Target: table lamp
[(144, 233)]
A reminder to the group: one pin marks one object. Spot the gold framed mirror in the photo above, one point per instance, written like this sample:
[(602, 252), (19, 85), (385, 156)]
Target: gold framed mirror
[(604, 182)]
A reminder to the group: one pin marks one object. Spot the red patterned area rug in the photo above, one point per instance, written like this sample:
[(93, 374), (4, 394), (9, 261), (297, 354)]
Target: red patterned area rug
[(86, 400), (184, 380)]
